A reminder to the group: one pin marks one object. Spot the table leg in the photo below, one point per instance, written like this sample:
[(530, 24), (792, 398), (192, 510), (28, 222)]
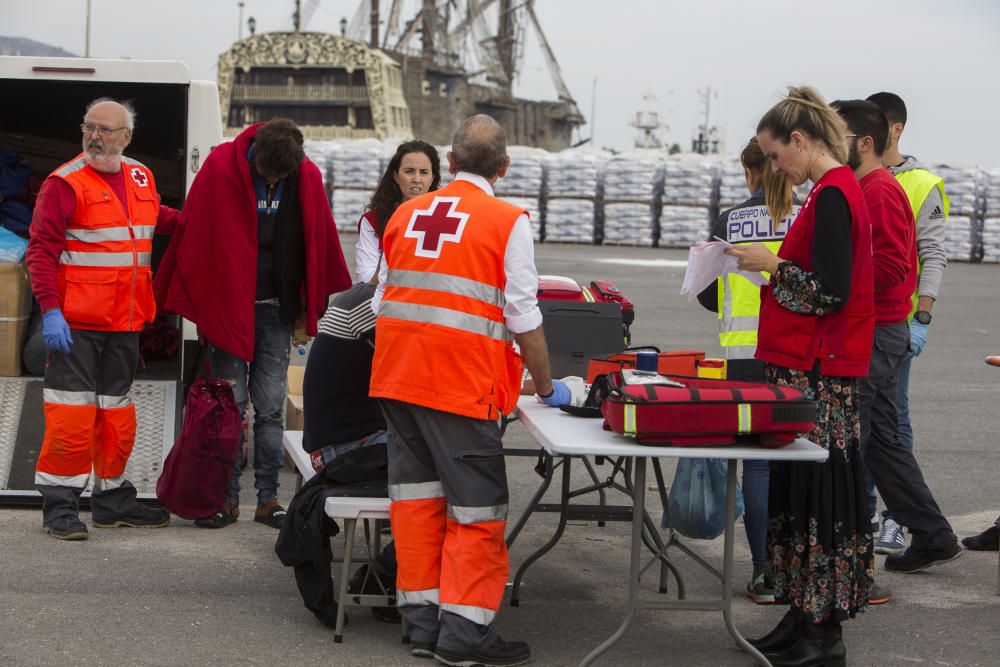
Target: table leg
[(638, 513), (533, 503), (652, 538), (564, 502), (727, 567), (600, 489)]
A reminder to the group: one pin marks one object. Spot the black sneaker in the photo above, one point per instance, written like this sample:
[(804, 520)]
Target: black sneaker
[(66, 528), (422, 649), (915, 560), (141, 517), (988, 540), (497, 654)]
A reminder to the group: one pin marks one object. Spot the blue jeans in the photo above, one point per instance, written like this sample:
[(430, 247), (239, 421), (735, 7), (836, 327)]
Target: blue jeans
[(756, 476), (262, 382), (904, 431)]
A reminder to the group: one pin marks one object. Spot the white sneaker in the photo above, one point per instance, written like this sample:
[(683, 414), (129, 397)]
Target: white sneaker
[(892, 540)]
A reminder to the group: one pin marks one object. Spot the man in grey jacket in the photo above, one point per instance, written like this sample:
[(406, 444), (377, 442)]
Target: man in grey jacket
[(925, 190)]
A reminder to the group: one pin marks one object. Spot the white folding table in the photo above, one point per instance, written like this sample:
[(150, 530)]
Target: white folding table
[(563, 435)]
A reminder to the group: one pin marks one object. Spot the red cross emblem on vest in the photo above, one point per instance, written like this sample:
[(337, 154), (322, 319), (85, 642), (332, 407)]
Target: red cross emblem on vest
[(438, 223), (139, 177)]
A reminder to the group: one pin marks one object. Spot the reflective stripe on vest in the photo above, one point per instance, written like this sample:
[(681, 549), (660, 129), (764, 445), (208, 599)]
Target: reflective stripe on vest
[(109, 234), (424, 598), (70, 167), (104, 259), (441, 282), (478, 615), (467, 515), (445, 317), (417, 491)]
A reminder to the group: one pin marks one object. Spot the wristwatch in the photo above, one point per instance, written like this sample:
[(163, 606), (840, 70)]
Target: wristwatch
[(922, 316)]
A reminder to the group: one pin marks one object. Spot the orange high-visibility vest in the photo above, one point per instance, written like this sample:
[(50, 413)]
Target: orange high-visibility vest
[(441, 340), (104, 275)]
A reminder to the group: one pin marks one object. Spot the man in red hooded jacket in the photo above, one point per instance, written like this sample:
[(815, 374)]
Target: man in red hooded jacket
[(255, 257)]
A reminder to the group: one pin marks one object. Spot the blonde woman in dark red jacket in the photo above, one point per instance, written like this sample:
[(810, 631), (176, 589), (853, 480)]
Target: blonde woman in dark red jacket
[(816, 327)]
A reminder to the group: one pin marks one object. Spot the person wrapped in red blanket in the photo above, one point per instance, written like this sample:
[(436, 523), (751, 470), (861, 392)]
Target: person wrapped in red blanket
[(255, 257)]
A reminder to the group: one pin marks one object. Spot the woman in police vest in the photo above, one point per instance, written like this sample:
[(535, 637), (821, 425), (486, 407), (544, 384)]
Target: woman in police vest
[(816, 331), (764, 217)]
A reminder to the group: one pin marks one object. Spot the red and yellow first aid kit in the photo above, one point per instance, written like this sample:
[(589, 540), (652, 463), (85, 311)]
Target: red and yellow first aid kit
[(684, 411)]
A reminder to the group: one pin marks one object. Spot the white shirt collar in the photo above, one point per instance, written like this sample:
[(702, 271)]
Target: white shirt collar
[(476, 180)]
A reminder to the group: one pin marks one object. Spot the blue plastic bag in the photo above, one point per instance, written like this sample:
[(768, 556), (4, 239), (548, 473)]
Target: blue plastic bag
[(12, 247), (698, 499)]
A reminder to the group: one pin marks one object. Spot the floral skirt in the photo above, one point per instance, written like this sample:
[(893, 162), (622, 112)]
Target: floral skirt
[(819, 537)]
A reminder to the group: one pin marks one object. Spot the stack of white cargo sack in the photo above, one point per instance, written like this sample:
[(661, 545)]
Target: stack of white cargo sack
[(688, 194), (356, 167), (522, 186), (963, 184), (633, 187), (732, 183), (573, 180), (991, 219), (319, 150)]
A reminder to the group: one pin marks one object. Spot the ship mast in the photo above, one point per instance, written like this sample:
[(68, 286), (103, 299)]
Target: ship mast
[(428, 17), (374, 24), (505, 44)]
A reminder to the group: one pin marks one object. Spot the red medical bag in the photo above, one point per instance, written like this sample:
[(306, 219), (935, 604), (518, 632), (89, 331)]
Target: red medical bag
[(688, 412), (674, 362)]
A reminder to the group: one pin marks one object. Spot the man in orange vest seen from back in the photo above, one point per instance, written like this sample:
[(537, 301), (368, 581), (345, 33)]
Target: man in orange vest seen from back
[(457, 287), (89, 260)]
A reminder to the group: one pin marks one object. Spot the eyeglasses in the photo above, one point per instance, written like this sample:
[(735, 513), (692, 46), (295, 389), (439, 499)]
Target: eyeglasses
[(850, 136), (89, 128)]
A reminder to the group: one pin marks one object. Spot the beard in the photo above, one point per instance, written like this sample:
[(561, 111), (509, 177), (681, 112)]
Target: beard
[(853, 157), (102, 156)]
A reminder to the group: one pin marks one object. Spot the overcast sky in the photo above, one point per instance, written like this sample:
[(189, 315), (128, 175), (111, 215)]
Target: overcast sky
[(941, 57)]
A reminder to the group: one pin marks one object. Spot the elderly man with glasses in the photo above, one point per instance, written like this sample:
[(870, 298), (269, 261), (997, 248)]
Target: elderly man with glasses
[(89, 260)]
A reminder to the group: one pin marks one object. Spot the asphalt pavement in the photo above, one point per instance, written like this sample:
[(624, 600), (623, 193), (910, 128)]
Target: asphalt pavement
[(185, 596)]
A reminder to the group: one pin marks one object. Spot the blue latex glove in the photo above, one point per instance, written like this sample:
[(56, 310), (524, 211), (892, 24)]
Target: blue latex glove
[(561, 395), (918, 338), (55, 332)]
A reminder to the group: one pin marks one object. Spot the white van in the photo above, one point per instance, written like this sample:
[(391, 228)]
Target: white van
[(178, 121)]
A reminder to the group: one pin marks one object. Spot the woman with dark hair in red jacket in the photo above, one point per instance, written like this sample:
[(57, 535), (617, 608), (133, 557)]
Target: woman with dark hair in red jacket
[(816, 328), (412, 171)]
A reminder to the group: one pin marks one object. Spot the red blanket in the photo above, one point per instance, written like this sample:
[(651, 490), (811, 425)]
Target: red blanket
[(209, 272)]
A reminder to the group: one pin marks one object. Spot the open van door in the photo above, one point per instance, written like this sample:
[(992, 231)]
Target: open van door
[(177, 123)]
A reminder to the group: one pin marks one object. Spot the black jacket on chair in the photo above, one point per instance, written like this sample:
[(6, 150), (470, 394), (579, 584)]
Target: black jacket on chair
[(304, 540)]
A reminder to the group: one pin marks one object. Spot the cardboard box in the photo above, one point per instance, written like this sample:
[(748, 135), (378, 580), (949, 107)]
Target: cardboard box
[(15, 310), (294, 407)]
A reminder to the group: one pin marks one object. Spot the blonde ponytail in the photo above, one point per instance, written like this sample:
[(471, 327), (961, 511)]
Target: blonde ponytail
[(805, 110)]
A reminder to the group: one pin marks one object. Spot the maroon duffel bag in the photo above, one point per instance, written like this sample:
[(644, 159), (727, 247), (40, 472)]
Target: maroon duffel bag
[(682, 411)]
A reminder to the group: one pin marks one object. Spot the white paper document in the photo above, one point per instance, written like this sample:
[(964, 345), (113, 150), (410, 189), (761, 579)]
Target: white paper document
[(706, 262)]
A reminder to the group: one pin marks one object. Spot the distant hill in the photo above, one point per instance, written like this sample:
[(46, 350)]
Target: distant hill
[(22, 46)]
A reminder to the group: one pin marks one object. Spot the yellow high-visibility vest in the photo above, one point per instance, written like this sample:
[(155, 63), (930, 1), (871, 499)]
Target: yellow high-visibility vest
[(917, 184), (739, 299)]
